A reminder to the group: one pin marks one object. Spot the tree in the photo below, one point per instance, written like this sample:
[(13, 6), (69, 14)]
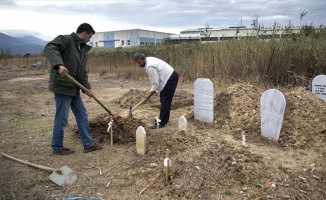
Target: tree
[(302, 15), (206, 32)]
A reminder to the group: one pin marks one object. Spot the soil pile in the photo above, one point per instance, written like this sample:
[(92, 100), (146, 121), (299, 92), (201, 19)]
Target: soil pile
[(304, 123)]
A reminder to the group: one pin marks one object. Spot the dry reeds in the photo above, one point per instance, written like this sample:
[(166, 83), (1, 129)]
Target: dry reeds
[(293, 59)]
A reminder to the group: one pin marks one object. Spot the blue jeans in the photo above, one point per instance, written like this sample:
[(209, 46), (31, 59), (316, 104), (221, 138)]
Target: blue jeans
[(63, 103)]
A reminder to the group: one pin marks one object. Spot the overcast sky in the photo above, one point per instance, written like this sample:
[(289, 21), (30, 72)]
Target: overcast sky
[(47, 19)]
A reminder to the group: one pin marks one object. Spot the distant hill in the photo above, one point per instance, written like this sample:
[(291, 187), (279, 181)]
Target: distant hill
[(21, 45)]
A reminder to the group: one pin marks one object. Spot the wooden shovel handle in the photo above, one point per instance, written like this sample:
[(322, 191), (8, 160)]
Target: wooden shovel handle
[(29, 164), (86, 90), (167, 154), (138, 104)]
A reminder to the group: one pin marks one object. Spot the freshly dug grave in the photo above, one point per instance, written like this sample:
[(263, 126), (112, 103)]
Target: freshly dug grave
[(123, 129)]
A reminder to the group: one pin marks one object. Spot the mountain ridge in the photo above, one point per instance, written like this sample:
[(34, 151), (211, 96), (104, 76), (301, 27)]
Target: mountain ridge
[(21, 45)]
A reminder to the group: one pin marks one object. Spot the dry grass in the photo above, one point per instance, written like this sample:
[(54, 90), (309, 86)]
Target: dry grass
[(292, 60)]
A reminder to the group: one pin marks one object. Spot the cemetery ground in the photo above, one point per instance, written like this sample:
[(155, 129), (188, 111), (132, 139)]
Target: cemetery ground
[(208, 160)]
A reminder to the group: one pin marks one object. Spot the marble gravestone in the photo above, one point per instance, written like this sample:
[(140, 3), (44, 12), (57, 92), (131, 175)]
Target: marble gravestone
[(272, 108), (141, 140), (203, 100), (182, 124), (319, 86)]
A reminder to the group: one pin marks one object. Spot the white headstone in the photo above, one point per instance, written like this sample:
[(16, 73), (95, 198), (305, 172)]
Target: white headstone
[(182, 124), (272, 108), (319, 86), (204, 100), (141, 140)]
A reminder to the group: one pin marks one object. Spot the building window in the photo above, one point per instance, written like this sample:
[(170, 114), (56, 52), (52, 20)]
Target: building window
[(122, 42), (128, 41)]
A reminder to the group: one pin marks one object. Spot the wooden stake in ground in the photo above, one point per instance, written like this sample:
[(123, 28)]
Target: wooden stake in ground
[(157, 121), (110, 128), (167, 164), (243, 138)]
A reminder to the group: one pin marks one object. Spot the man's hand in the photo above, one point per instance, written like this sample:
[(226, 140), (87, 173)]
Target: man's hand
[(147, 97), (90, 93), (63, 71)]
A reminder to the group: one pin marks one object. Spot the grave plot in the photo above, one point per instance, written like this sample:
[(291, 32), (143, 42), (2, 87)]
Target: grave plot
[(237, 109), (123, 129)]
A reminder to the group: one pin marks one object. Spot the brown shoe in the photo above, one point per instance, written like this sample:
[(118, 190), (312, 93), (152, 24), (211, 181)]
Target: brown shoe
[(92, 148), (64, 151)]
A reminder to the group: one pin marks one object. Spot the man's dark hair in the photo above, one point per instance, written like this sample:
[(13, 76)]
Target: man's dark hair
[(139, 56), (85, 27)]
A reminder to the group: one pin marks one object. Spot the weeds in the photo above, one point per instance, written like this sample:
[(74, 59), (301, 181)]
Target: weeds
[(256, 183), (228, 192)]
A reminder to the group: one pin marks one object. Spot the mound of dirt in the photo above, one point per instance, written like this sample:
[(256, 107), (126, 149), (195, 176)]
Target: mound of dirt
[(181, 99), (304, 123), (123, 129)]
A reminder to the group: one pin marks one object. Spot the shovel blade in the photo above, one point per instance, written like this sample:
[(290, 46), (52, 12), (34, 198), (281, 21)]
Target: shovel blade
[(67, 176)]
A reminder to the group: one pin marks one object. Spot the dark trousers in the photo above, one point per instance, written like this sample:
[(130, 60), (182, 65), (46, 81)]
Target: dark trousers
[(166, 97)]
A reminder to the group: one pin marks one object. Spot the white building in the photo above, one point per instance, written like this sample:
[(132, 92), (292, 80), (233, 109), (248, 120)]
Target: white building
[(238, 32), (137, 37), (127, 38)]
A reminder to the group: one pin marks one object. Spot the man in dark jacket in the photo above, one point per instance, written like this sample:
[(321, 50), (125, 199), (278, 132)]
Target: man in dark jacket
[(67, 54)]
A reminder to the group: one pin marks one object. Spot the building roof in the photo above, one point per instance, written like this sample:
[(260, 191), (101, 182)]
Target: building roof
[(185, 36)]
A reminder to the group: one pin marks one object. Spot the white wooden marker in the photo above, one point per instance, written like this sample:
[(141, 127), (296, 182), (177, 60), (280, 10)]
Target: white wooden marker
[(141, 140), (167, 164), (182, 124)]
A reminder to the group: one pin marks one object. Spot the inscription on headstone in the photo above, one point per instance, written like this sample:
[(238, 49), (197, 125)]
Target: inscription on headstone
[(141, 140), (319, 86), (272, 108), (203, 100)]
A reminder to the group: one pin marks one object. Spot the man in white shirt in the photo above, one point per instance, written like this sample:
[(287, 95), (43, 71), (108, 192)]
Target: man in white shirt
[(164, 79)]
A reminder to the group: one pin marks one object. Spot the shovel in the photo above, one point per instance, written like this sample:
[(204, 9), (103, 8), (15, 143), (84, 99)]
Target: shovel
[(131, 109), (86, 90), (63, 176)]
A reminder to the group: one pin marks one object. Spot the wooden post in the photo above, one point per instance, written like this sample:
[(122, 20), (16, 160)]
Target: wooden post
[(167, 155), (111, 129)]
